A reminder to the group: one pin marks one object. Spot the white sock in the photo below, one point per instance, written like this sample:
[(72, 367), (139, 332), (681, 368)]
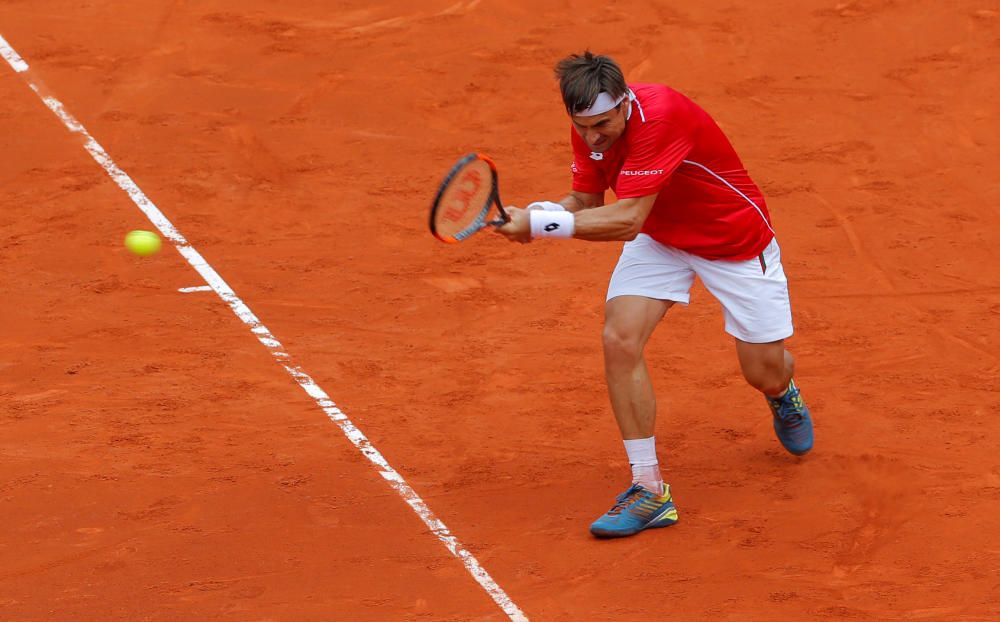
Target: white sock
[(645, 468)]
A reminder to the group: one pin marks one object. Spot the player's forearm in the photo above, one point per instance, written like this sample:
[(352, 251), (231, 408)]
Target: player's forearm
[(578, 201), (621, 220), (607, 223)]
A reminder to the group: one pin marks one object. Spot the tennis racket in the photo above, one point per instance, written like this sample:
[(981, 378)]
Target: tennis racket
[(468, 200)]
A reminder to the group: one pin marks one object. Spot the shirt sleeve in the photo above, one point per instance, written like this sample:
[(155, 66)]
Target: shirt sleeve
[(587, 175), (655, 153)]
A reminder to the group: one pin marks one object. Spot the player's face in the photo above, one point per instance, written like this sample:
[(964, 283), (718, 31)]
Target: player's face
[(601, 131)]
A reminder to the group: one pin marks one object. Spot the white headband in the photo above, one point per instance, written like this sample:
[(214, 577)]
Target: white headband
[(602, 104)]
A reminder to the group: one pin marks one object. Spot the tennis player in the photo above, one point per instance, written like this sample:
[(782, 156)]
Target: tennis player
[(685, 207)]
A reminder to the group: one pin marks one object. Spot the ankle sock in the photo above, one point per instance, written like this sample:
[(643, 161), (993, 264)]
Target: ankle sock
[(645, 467)]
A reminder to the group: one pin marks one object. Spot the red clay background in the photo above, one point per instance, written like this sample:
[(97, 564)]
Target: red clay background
[(155, 464)]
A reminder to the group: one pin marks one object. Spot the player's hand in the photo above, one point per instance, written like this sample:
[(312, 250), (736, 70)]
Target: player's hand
[(519, 227)]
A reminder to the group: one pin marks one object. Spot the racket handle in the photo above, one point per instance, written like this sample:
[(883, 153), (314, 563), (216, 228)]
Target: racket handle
[(504, 217)]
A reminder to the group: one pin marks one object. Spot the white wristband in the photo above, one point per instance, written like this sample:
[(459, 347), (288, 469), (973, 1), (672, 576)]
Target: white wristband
[(551, 224), (547, 206)]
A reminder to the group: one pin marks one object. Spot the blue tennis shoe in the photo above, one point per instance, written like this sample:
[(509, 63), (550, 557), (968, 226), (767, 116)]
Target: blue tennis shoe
[(636, 509), (792, 423)]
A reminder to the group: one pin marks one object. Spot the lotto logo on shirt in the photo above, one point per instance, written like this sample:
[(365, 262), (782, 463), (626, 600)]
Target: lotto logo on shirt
[(658, 171)]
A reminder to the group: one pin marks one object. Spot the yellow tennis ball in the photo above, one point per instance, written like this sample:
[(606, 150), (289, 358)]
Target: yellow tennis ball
[(142, 243)]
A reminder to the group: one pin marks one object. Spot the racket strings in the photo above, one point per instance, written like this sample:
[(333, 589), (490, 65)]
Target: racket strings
[(466, 200)]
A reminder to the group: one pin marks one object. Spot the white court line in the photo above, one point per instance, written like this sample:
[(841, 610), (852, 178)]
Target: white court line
[(13, 59), (200, 288), (268, 340)]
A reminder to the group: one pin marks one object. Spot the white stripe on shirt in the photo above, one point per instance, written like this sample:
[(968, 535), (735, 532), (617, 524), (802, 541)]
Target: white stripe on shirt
[(733, 188)]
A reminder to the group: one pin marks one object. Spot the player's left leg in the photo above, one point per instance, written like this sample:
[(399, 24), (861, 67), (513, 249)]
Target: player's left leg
[(754, 297), (768, 367)]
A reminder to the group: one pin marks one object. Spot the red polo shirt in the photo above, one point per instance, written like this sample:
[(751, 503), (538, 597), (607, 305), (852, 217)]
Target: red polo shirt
[(707, 203)]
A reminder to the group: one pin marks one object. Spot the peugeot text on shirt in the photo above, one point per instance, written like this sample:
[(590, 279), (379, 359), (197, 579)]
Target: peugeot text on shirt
[(658, 171)]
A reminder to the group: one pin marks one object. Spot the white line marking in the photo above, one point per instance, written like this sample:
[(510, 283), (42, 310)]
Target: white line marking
[(268, 340), (16, 62), (200, 288)]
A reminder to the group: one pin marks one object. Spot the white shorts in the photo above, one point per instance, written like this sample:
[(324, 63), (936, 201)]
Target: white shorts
[(753, 293)]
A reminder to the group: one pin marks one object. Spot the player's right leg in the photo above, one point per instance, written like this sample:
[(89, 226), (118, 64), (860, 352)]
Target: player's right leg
[(628, 324), (648, 280)]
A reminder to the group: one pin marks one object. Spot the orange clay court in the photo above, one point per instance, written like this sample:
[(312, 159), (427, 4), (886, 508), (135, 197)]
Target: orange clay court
[(159, 462)]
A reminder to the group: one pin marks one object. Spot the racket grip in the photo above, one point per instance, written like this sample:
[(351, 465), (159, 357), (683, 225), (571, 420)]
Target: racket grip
[(504, 217)]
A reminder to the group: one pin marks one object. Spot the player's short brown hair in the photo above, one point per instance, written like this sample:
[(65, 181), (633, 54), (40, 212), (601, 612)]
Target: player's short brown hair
[(582, 77)]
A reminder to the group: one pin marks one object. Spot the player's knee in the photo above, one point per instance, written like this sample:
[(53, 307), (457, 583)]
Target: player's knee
[(766, 376), (621, 345)]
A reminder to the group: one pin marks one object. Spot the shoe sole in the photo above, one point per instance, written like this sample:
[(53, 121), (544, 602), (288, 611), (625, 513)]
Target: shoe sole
[(794, 452), (606, 534)]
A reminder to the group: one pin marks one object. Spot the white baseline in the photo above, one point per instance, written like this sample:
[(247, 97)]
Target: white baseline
[(267, 339)]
